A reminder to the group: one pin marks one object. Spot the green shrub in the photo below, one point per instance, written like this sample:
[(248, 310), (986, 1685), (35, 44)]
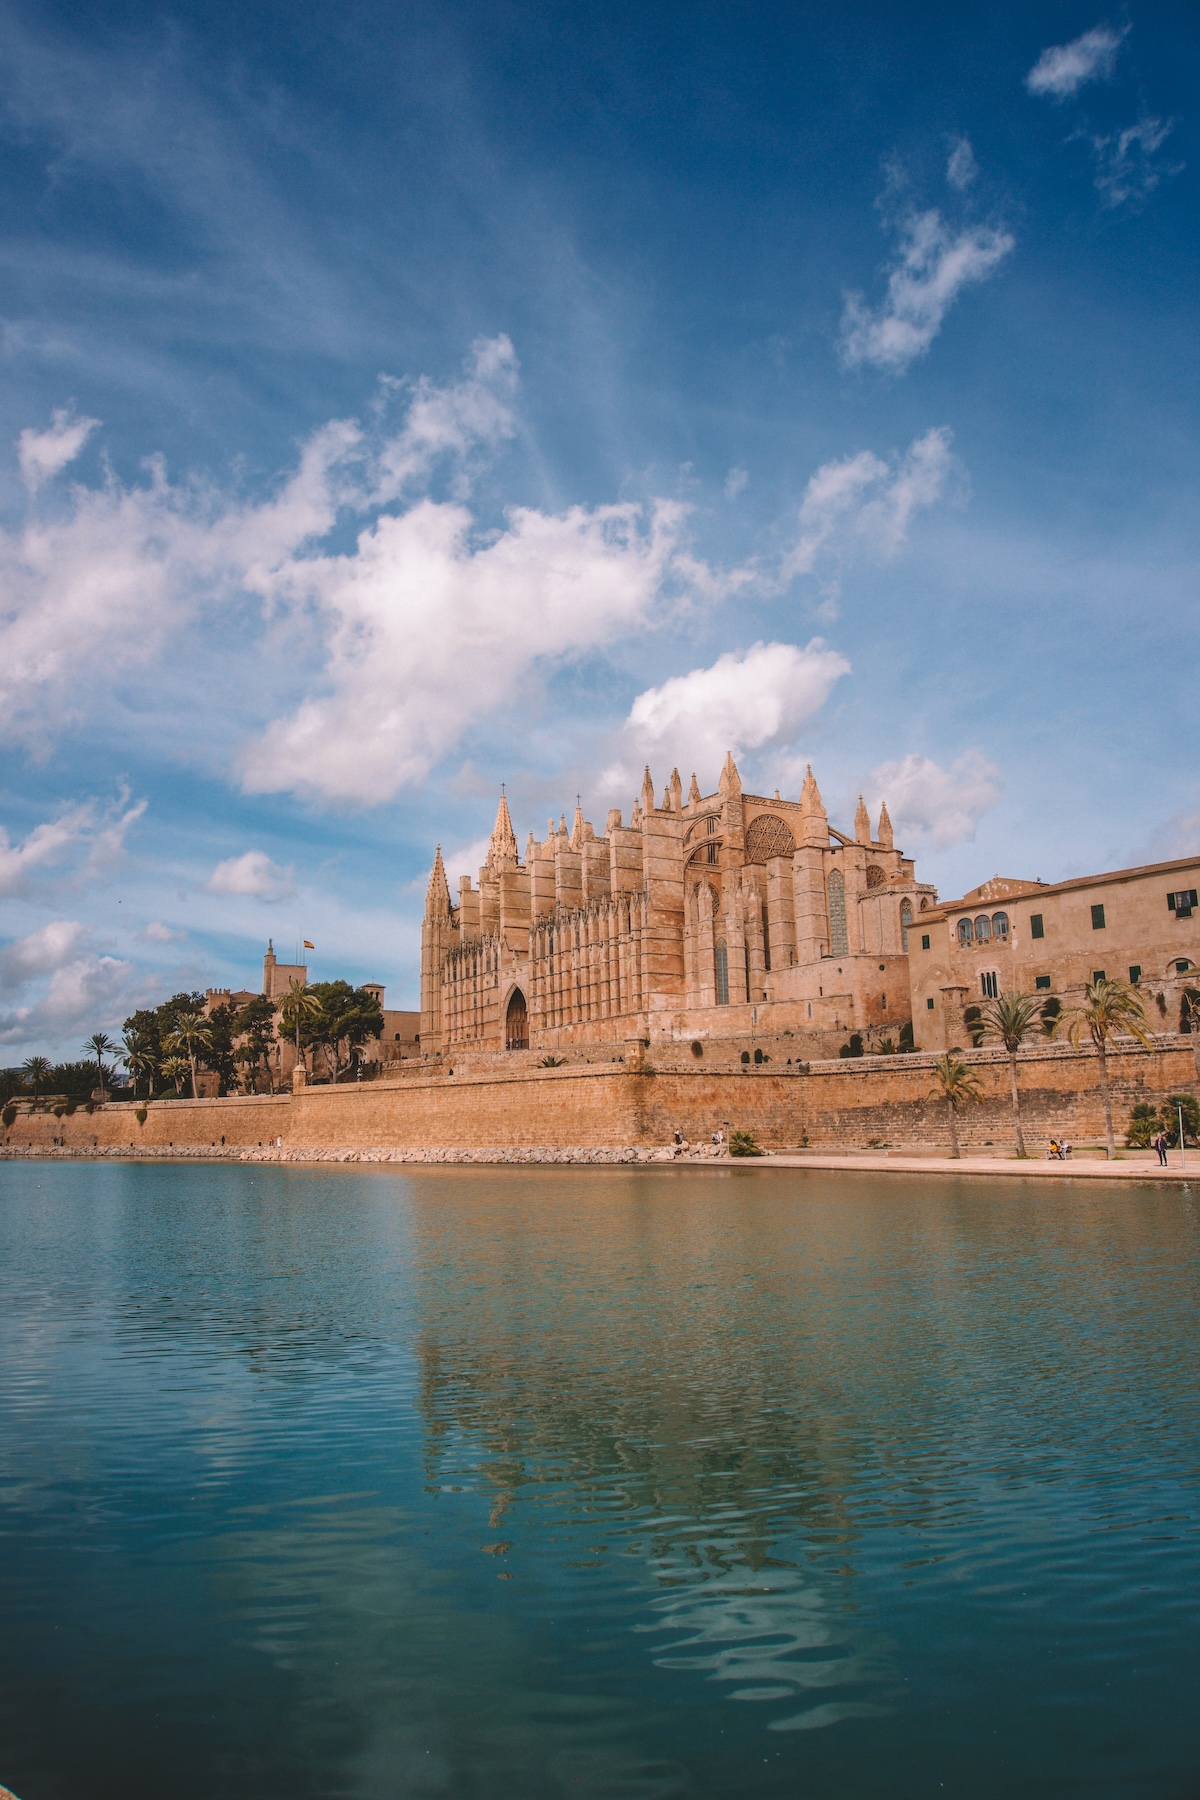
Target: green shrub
[(1191, 1117), (60, 1107), (1143, 1126), (854, 1047), (9, 1115), (741, 1143), (140, 1115)]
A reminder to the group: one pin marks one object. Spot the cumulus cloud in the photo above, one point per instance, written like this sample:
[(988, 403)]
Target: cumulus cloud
[(80, 995), (1064, 68), (744, 701), (84, 838), (932, 267), (869, 501), (431, 621), (431, 628), (252, 874), (155, 931), (42, 454), (962, 169), (932, 804), (1125, 162)]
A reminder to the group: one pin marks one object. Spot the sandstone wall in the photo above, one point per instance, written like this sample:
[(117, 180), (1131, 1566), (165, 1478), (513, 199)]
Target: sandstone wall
[(869, 1101)]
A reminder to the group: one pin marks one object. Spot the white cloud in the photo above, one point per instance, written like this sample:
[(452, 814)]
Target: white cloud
[(80, 996), (866, 500), (476, 413), (39, 953), (430, 630), (1064, 68), (42, 454), (468, 859), (931, 804), (155, 931), (962, 169), (254, 875), (87, 836), (1125, 165), (736, 483), (104, 586), (746, 700), (429, 624), (933, 267)]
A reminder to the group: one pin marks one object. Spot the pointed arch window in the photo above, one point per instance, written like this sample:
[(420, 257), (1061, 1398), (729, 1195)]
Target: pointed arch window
[(516, 1029), (839, 943), (721, 962), (906, 917)]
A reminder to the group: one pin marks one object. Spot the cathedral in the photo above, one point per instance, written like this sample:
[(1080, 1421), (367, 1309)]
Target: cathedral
[(718, 919)]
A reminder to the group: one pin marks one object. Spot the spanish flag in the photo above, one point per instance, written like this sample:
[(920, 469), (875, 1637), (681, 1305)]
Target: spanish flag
[(309, 946)]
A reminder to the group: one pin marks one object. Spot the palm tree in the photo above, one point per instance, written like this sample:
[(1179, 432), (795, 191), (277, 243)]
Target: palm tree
[(1012, 1018), (1109, 1008), (140, 1059), (191, 1033), (100, 1045), (174, 1069), (955, 1084), (299, 1006), (36, 1069)]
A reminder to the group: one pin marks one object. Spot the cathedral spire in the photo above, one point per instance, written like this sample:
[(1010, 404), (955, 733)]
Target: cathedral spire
[(862, 823), (437, 894), (675, 790), (884, 834), (647, 791), (731, 781), (811, 803), (577, 823), (503, 847), (694, 791)]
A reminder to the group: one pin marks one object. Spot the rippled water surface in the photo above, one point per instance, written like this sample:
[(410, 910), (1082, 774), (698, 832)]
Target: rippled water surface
[(632, 1483)]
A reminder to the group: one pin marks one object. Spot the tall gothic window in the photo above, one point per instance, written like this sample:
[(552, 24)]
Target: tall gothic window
[(766, 937), (905, 922), (721, 959), (839, 943)]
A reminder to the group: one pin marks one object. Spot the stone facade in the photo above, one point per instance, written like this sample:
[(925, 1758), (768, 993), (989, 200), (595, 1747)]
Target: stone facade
[(1141, 925), (718, 917)]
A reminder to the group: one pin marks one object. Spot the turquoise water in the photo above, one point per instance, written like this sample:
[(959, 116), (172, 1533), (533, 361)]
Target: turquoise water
[(598, 1482)]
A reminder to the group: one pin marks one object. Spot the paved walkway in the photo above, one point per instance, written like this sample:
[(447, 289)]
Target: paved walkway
[(1131, 1165)]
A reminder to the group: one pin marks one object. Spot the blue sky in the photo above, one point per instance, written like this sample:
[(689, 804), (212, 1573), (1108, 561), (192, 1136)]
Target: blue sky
[(401, 400)]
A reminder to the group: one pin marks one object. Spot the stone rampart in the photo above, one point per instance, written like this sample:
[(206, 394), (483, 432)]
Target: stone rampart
[(862, 1103)]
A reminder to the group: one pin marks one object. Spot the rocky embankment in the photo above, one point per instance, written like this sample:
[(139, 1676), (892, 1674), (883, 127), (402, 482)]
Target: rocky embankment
[(274, 1154)]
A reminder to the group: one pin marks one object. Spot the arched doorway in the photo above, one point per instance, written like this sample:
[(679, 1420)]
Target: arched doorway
[(516, 1027)]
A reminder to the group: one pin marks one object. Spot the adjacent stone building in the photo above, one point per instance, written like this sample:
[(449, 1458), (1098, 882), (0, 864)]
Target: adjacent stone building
[(1142, 925), (726, 916)]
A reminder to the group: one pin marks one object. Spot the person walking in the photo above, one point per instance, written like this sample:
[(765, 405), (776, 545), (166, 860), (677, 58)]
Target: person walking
[(1160, 1144)]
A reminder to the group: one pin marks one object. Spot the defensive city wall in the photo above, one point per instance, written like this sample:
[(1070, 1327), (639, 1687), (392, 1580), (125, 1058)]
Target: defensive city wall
[(848, 1103)]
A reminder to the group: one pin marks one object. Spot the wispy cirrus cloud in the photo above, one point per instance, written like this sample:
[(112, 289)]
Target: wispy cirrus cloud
[(1063, 69), (81, 839), (43, 454), (1126, 169), (962, 170), (932, 266), (869, 501)]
